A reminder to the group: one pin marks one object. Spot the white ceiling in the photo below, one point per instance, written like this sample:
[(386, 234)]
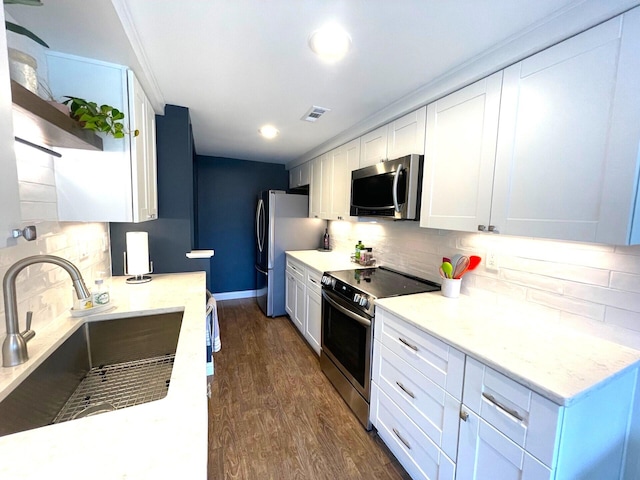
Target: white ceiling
[(238, 64)]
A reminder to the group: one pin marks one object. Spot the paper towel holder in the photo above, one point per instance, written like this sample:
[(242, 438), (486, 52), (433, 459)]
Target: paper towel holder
[(137, 277)]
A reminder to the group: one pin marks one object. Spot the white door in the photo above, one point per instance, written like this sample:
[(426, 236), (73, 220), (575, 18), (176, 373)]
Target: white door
[(406, 134), (313, 329), (373, 146), (9, 196), (566, 164), (486, 454), (459, 157)]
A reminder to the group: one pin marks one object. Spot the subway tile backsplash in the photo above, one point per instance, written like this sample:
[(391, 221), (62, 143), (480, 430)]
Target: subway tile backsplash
[(46, 289), (595, 288)]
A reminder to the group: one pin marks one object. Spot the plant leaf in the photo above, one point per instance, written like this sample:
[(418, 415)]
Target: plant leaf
[(118, 135), (20, 30)]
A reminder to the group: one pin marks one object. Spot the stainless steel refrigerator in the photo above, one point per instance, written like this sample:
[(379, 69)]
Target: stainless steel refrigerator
[(282, 224)]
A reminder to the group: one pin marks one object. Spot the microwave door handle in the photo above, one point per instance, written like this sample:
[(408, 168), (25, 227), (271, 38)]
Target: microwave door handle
[(396, 177), (362, 320)]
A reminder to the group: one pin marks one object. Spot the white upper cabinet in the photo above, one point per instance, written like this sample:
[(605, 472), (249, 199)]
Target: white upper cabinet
[(401, 137), (373, 146), (326, 173), (346, 159), (566, 156), (118, 184), (460, 156), (9, 195), (300, 176), (406, 135), (315, 188)]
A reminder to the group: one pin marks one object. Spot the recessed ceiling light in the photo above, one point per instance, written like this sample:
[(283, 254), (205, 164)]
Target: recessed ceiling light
[(331, 42), (268, 131)]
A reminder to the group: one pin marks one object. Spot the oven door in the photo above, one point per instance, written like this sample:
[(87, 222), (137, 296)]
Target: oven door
[(346, 341)]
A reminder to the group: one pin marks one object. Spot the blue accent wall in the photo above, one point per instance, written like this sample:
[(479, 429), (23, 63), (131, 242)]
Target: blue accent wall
[(227, 194), (172, 235)]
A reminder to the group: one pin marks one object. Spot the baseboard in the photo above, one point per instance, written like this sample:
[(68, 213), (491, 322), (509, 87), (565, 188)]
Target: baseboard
[(234, 295)]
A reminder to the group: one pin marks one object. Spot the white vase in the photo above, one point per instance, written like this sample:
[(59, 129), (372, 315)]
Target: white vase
[(22, 69)]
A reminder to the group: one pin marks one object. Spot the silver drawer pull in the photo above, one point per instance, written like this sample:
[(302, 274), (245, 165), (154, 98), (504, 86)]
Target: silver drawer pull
[(405, 390), (412, 347), (464, 416), (406, 444), (502, 407)]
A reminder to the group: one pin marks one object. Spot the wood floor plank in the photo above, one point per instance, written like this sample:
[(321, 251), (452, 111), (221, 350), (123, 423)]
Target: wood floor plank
[(274, 415)]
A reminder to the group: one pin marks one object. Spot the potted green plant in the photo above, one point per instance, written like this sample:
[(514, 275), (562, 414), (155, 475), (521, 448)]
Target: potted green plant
[(103, 118)]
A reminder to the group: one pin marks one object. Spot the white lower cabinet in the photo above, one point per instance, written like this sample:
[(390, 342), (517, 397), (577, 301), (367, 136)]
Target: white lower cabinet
[(447, 415), (485, 453), (303, 301)]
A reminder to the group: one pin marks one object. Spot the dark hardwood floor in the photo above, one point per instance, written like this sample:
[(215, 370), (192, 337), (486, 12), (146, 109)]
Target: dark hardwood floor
[(274, 415)]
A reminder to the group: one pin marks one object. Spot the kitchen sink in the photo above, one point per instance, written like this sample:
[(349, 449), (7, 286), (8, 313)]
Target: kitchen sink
[(103, 366)]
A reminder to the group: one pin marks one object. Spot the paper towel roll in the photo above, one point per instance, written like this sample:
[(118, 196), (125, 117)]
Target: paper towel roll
[(137, 253)]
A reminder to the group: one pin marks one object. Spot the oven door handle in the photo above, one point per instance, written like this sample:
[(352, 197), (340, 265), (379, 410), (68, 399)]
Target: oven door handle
[(362, 320)]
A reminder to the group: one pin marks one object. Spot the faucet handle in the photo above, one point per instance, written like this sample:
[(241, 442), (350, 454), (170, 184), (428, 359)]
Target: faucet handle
[(28, 334)]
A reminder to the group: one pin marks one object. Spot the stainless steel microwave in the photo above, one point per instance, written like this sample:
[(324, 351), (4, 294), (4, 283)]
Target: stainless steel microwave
[(388, 189)]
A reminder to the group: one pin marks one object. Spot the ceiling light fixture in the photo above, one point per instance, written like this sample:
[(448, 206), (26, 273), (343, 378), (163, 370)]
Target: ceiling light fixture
[(331, 42), (268, 131)]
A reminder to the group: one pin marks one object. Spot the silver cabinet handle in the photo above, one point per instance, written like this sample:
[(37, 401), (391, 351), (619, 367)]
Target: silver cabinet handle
[(503, 407), (405, 390), (493, 229), (412, 347), (464, 416), (482, 228), (406, 444)]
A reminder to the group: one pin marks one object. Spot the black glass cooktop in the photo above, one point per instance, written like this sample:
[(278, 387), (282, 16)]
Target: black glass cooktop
[(383, 282)]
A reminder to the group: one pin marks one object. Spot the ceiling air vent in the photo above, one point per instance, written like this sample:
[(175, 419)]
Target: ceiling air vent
[(314, 113)]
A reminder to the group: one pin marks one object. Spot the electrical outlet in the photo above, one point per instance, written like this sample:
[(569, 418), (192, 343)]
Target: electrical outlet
[(492, 261)]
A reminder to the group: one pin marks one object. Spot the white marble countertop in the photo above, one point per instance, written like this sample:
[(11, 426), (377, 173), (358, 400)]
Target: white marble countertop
[(162, 439), (325, 261), (556, 361)]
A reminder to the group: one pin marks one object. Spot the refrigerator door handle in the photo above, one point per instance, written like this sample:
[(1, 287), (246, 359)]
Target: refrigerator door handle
[(260, 225), (261, 271)]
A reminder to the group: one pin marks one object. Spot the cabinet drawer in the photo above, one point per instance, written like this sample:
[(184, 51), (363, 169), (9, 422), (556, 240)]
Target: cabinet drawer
[(439, 362), (296, 268), (425, 403), (420, 457), (485, 453), (314, 281), (528, 419)]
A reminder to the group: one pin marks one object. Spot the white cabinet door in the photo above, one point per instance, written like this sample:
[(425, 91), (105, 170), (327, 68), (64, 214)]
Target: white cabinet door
[(346, 159), (118, 184), (326, 174), (143, 151), (290, 293), (373, 146), (460, 156), (299, 176), (313, 327), (406, 134), (9, 195), (567, 158), (486, 454), (315, 190), (298, 316)]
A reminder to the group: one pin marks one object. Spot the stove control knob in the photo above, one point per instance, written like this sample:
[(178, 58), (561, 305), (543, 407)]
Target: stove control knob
[(325, 280), (356, 298), (364, 302)]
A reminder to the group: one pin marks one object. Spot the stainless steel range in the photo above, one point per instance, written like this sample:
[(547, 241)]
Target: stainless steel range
[(347, 319)]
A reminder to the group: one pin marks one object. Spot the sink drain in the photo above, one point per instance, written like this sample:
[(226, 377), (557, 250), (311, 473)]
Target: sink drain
[(120, 385)]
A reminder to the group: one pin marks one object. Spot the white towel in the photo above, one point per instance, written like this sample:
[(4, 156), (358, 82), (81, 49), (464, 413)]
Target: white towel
[(214, 326)]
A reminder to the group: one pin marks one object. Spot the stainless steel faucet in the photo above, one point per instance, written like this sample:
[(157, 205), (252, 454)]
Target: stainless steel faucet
[(14, 347)]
